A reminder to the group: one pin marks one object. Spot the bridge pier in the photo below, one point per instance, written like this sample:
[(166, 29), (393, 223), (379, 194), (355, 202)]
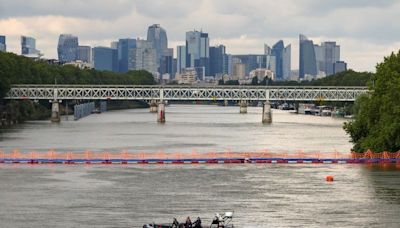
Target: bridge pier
[(267, 113), (243, 107), (161, 112), (55, 111), (153, 107)]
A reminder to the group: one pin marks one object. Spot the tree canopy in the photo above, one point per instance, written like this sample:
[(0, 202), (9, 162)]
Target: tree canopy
[(377, 115), (16, 69)]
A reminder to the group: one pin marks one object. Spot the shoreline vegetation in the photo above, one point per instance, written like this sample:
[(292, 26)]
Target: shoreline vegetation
[(376, 126), (15, 69)]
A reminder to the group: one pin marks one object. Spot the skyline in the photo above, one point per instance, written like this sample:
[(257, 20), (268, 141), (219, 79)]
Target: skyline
[(357, 26)]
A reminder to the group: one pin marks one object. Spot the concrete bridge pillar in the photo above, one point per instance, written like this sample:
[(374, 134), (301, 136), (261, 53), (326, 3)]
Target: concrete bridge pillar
[(267, 113), (55, 111), (243, 107), (225, 102), (153, 107), (161, 112)]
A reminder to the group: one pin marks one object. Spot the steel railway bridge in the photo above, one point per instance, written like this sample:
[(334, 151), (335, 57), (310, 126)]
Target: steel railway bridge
[(159, 94)]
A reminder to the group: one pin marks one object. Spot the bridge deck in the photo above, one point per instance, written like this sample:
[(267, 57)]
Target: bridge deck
[(176, 92)]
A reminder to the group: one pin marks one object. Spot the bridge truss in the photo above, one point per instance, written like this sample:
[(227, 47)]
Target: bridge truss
[(206, 93)]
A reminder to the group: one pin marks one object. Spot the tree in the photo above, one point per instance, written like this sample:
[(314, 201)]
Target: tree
[(377, 115), (254, 81)]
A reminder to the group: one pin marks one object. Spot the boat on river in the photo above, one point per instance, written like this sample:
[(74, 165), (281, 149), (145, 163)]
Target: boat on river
[(219, 221)]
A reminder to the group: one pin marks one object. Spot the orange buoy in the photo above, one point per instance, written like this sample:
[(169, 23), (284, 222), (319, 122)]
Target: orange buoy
[(329, 178)]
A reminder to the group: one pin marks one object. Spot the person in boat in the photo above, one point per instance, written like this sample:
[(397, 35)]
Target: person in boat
[(197, 223), (188, 223)]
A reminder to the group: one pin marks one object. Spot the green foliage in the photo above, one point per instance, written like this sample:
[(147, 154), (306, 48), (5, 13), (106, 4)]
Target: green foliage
[(232, 82), (254, 81), (16, 69), (377, 116)]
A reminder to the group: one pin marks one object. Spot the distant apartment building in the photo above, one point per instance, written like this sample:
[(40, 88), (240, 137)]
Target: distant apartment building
[(187, 76), (261, 73), (84, 54), (28, 47), (3, 46), (105, 58), (67, 48)]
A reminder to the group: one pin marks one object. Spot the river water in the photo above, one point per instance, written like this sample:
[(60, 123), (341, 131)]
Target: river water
[(131, 195)]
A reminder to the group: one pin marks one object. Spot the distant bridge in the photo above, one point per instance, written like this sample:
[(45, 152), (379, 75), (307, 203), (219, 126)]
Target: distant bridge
[(182, 93)]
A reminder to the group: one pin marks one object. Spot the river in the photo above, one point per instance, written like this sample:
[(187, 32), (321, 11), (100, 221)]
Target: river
[(131, 195)]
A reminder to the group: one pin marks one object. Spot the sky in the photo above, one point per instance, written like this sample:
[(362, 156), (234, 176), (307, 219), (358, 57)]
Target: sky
[(366, 30)]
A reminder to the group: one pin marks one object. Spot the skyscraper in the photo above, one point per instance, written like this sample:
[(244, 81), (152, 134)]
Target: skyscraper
[(287, 62), (277, 51), (124, 47), (167, 61), (157, 36), (197, 52), (267, 49), (28, 46), (330, 54), (307, 60), (84, 54), (105, 58), (143, 57), (217, 55), (67, 48), (3, 46), (180, 58)]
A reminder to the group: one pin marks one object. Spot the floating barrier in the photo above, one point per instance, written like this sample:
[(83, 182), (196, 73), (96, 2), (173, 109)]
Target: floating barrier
[(124, 157)]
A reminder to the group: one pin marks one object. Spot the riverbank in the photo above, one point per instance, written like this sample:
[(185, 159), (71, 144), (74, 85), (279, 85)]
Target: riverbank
[(14, 112)]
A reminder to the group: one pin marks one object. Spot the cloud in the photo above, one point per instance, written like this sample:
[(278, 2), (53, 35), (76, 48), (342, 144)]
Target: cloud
[(365, 29), (104, 9)]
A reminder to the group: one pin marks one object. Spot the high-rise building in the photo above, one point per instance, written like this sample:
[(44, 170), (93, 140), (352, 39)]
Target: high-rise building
[(28, 46), (267, 50), (197, 52), (331, 54), (270, 63), (180, 58), (167, 62), (251, 61), (282, 57), (217, 58), (157, 36), (143, 57), (105, 58), (228, 64), (287, 62), (339, 66), (84, 54), (124, 47), (327, 54), (67, 48), (114, 44), (3, 46), (307, 60), (277, 51)]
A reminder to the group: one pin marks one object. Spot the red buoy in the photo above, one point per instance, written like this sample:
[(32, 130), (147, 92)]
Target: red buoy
[(329, 178)]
